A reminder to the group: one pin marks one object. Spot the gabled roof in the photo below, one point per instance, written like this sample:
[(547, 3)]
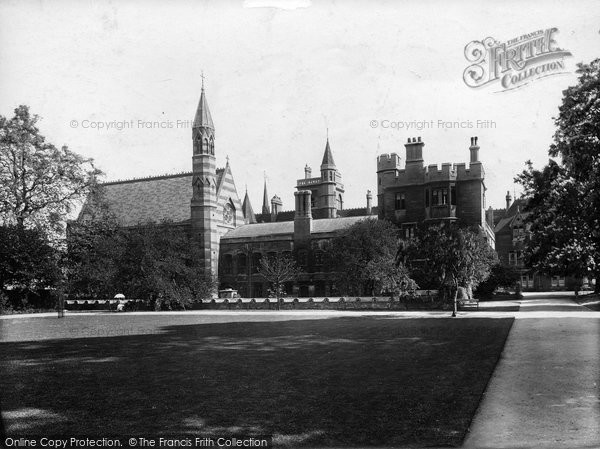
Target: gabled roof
[(154, 199), (327, 156), (515, 208), (324, 225), (203, 118)]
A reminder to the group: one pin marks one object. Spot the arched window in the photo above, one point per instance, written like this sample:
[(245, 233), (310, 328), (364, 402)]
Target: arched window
[(212, 146), (205, 146), (242, 265)]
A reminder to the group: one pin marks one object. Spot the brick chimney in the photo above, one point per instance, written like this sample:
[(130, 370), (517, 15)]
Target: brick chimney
[(414, 151)]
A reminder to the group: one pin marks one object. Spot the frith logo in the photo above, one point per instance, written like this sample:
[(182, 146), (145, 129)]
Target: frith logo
[(516, 62)]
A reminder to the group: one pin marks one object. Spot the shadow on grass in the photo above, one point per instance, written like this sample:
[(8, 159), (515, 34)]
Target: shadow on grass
[(354, 381)]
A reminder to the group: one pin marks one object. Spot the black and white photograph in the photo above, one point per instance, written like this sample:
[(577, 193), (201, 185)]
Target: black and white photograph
[(299, 224)]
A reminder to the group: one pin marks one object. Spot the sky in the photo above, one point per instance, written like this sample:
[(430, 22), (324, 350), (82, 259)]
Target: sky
[(280, 79)]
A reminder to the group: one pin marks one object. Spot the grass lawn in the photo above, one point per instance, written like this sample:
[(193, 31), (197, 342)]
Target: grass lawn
[(355, 381)]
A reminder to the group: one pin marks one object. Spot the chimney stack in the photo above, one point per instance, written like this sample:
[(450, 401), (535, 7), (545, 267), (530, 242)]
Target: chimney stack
[(414, 150), (474, 149), (303, 216), (369, 202)]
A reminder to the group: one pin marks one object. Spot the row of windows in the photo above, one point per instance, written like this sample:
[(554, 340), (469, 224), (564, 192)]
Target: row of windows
[(435, 197), (205, 145), (527, 281), (239, 262)]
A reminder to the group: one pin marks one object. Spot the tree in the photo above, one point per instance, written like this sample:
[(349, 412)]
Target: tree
[(500, 276), (39, 183), (27, 260), (363, 258), (450, 255), (278, 270), (156, 262), (389, 276), (564, 196)]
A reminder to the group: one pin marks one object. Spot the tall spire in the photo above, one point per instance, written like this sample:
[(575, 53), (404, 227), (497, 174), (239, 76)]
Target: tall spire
[(327, 156), (265, 206), (203, 118)]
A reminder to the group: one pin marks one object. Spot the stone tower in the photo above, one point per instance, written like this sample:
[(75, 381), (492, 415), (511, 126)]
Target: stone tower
[(204, 187), (328, 198), (327, 190)]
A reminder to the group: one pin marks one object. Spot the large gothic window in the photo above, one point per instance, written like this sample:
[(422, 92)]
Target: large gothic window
[(205, 146), (212, 146)]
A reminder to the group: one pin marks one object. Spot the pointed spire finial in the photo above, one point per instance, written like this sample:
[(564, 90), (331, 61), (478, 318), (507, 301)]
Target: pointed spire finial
[(227, 157), (203, 117), (327, 156), (202, 76), (265, 207)]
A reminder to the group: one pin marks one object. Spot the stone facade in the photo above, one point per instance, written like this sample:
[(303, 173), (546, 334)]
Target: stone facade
[(234, 238), (512, 232), (417, 193)]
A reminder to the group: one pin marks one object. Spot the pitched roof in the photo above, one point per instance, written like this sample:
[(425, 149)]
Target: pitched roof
[(203, 118), (515, 208), (154, 199), (327, 156), (324, 225)]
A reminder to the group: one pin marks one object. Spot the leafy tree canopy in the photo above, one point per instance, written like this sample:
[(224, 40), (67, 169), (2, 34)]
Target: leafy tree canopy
[(564, 196), (27, 260), (363, 257), (447, 256), (39, 183)]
